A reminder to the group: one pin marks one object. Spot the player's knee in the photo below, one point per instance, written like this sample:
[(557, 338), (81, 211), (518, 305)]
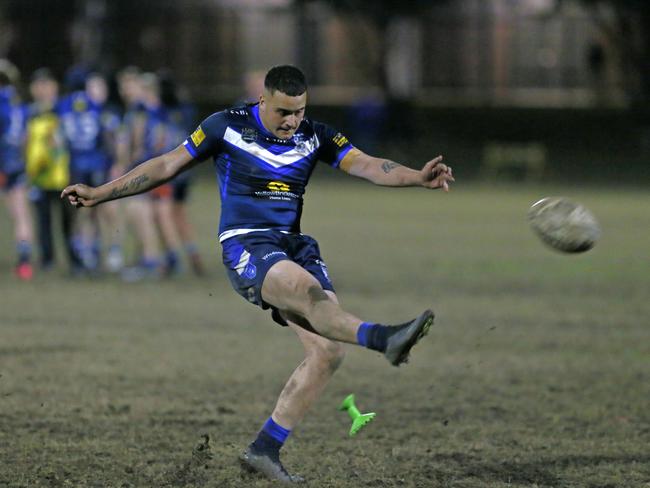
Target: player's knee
[(316, 296), (330, 355)]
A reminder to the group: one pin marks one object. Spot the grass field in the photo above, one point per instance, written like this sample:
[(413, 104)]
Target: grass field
[(536, 374)]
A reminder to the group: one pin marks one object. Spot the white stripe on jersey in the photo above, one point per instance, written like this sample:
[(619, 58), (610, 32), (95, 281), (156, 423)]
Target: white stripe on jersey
[(304, 149), (238, 232)]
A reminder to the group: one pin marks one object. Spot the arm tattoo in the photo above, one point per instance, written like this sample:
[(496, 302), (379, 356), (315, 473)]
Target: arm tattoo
[(389, 166), (132, 186)]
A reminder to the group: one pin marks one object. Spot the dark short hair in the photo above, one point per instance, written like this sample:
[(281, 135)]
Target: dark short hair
[(286, 79), (42, 74)]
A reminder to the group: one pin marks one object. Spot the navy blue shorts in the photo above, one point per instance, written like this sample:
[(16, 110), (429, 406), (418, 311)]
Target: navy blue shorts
[(181, 190), (10, 181), (249, 257), (91, 178)]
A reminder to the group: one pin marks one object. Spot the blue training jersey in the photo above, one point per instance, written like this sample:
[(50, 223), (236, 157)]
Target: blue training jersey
[(13, 117), (85, 126), (262, 179), (155, 140)]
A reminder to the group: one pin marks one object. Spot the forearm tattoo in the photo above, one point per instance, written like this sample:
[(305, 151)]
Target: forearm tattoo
[(389, 166), (130, 186)]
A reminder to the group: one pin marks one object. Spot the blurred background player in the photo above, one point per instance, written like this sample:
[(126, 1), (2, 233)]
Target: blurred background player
[(90, 131), (130, 152), (181, 120), (109, 217), (12, 166), (158, 138), (253, 86), (47, 165)]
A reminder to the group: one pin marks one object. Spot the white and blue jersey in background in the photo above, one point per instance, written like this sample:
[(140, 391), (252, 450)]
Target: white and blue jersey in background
[(86, 127), (262, 178), (13, 117), (180, 122), (155, 137)]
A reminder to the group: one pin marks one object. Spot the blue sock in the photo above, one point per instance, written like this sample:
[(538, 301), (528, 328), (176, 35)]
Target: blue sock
[(171, 260), (77, 247), (271, 438), (150, 263), (373, 336), (96, 249), (24, 251)]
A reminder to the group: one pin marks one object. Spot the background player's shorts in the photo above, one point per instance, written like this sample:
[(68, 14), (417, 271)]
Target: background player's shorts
[(162, 192), (249, 257), (90, 178), (181, 185), (12, 180)]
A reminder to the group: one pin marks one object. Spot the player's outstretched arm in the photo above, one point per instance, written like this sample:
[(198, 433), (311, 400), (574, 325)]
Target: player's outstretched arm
[(140, 179), (384, 172)]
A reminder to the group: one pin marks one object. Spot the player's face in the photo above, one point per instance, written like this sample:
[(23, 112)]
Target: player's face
[(130, 90), (97, 89), (44, 91), (282, 114)]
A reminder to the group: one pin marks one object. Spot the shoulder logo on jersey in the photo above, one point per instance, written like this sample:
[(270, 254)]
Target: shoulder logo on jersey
[(248, 134), (278, 186), (198, 136), (340, 140)]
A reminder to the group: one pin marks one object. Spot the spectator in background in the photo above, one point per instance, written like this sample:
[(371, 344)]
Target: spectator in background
[(253, 85), (12, 166), (131, 151), (90, 131), (181, 122), (156, 141), (367, 118), (47, 160), (109, 221)]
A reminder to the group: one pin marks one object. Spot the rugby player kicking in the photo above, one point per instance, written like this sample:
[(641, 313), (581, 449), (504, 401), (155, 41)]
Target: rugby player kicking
[(264, 154)]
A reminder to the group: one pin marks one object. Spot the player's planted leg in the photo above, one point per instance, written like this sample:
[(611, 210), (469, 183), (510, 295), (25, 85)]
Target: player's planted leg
[(263, 455), (322, 359)]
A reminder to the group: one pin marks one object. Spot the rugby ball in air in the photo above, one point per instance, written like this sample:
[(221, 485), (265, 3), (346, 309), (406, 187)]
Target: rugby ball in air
[(564, 225)]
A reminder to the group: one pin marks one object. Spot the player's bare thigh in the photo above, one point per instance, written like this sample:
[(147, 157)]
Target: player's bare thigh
[(289, 287)]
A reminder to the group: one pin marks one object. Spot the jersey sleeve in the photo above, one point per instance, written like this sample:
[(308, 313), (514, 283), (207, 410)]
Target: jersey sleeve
[(205, 141), (333, 145)]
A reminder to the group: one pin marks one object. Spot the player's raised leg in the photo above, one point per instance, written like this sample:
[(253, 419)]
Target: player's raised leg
[(322, 358), (290, 288)]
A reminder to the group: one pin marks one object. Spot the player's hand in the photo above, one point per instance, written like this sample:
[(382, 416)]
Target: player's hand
[(435, 174), (80, 195)]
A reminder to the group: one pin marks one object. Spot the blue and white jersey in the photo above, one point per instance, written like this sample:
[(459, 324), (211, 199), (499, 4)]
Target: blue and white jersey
[(179, 123), (262, 179), (155, 140), (13, 122), (85, 125)]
